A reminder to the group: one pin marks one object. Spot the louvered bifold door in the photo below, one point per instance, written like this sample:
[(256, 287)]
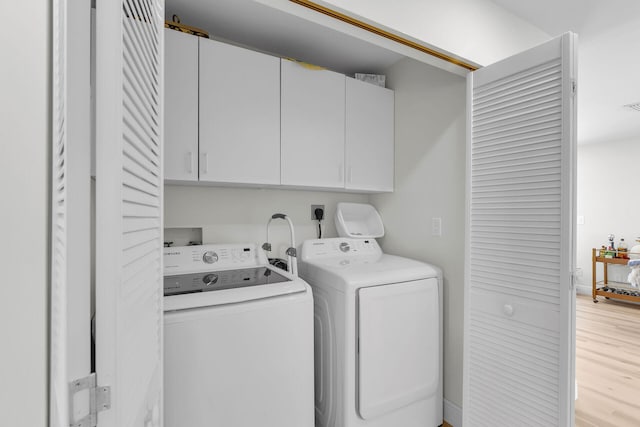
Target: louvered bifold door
[(129, 67), (519, 299)]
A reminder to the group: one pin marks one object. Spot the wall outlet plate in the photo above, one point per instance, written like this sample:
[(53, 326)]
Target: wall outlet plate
[(313, 212)]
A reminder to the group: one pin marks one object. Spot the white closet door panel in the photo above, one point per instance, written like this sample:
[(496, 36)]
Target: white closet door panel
[(239, 115), (369, 141), (180, 106), (313, 126), (70, 245), (129, 184), (59, 388), (398, 335), (520, 249)]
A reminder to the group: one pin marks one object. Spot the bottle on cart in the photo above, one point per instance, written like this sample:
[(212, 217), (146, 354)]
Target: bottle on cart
[(603, 251), (623, 249)]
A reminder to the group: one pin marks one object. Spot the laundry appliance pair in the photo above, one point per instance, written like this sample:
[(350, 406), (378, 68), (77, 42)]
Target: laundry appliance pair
[(241, 336)]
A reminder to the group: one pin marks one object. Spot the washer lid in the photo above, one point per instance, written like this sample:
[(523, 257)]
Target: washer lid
[(352, 263), (220, 280), (352, 273), (194, 290)]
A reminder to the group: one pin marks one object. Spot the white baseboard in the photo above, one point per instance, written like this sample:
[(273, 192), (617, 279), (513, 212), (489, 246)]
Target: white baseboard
[(583, 289), (452, 414)]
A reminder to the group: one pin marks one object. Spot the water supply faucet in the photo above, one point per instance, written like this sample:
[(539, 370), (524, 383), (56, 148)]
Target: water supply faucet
[(292, 263)]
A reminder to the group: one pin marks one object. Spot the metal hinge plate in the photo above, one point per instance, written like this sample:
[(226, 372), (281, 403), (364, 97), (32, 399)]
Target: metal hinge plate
[(99, 400), (574, 87)]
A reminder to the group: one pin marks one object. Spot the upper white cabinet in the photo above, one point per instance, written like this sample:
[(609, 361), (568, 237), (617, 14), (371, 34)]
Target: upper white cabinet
[(236, 116), (181, 106), (239, 115), (369, 145), (313, 120)]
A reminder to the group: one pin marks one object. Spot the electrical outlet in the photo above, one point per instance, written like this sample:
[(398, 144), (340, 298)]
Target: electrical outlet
[(313, 211), (436, 227)]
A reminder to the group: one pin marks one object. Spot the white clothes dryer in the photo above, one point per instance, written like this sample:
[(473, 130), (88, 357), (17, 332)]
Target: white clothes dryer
[(238, 340), (378, 335)]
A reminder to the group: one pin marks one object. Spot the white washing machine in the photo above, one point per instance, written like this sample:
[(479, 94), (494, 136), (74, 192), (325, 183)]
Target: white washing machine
[(378, 335), (238, 340)]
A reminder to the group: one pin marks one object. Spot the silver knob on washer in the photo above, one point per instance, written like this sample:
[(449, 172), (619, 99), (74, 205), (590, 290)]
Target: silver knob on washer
[(210, 257), (210, 279), (344, 247)]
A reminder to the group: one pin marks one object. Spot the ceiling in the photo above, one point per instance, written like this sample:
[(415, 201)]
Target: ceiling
[(608, 60), (609, 38), (249, 23)]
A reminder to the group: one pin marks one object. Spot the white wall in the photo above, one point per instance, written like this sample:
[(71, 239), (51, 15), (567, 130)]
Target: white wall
[(240, 215), (430, 171), (24, 177), (430, 182), (476, 30), (607, 201)]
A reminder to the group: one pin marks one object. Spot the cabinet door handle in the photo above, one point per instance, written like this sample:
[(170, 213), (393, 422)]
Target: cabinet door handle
[(189, 162), (205, 163)]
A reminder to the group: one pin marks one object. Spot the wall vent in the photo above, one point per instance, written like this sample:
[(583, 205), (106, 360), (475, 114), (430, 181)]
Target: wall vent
[(634, 106)]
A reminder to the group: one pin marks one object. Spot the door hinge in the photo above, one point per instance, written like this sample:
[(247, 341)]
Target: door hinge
[(99, 400), (574, 279), (574, 87)]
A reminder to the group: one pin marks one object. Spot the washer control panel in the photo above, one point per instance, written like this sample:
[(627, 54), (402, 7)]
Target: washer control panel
[(192, 259), (210, 257)]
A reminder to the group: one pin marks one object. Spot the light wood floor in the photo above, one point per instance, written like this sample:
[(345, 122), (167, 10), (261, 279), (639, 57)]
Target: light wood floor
[(607, 363)]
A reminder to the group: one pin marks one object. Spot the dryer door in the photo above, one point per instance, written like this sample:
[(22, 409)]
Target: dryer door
[(398, 355)]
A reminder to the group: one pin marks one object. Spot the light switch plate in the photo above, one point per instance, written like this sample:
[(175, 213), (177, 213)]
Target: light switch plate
[(436, 226)]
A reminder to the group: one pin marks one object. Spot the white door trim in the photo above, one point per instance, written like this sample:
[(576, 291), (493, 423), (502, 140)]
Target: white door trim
[(70, 357)]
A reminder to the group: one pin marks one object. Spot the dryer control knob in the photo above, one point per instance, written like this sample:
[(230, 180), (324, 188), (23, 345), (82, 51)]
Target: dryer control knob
[(210, 257), (344, 247)]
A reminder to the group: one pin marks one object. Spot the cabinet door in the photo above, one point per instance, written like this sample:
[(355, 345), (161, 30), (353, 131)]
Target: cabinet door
[(369, 151), (239, 115), (313, 105), (181, 106)]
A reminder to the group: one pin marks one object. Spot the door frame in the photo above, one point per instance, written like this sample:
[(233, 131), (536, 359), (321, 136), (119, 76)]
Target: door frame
[(70, 302)]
